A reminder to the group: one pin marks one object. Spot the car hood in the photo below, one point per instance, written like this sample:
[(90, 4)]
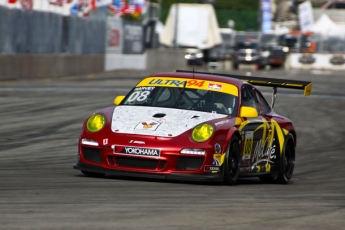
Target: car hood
[(165, 122)]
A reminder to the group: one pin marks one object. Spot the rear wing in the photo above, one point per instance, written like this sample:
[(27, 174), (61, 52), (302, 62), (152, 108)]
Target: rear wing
[(306, 86)]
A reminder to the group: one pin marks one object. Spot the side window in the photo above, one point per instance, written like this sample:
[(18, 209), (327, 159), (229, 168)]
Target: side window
[(263, 105), (248, 97), (164, 96)]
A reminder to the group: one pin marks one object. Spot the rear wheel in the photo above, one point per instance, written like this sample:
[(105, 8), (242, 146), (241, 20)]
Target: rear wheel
[(287, 161), (232, 162), (286, 164), (93, 174)]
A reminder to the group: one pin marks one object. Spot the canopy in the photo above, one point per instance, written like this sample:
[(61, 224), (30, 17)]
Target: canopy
[(196, 26), (326, 27)]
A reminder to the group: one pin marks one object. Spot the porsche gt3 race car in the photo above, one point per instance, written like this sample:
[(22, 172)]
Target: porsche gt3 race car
[(193, 126)]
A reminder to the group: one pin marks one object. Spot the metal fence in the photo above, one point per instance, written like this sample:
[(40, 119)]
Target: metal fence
[(36, 32)]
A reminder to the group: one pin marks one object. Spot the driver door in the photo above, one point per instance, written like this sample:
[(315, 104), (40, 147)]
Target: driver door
[(256, 136)]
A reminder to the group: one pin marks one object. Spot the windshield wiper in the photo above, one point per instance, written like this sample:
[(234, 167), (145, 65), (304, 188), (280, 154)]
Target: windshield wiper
[(180, 95)]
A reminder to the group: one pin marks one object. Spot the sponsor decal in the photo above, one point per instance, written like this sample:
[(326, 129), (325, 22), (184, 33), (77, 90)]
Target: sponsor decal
[(130, 150), (215, 86), (137, 142), (337, 60), (211, 168), (218, 159), (307, 59), (188, 83), (105, 141), (217, 148), (222, 122), (248, 144), (143, 88), (262, 154), (152, 125), (177, 83), (167, 82)]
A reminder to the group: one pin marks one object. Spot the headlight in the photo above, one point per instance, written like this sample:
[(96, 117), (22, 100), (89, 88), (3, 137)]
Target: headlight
[(199, 55), (202, 132), (95, 123), (187, 56), (266, 53)]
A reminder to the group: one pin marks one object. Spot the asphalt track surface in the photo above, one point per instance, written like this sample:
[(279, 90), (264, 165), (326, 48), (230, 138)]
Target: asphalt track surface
[(40, 124)]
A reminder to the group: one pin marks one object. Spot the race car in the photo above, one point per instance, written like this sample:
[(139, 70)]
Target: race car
[(192, 126)]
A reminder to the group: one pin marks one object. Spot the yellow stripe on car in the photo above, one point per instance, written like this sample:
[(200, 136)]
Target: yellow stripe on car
[(190, 83)]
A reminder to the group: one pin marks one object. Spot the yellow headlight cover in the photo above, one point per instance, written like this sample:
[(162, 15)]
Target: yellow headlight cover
[(202, 132), (95, 123)]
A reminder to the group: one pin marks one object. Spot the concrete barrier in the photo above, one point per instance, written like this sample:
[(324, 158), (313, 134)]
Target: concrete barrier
[(315, 61), (151, 59), (14, 67)]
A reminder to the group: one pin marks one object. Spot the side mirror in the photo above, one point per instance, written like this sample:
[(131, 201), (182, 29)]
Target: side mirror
[(118, 100), (248, 112)]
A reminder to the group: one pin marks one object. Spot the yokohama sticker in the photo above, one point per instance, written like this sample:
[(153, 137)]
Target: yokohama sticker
[(139, 151), (211, 168)]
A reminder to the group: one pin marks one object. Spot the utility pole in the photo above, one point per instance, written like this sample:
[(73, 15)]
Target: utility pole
[(176, 26)]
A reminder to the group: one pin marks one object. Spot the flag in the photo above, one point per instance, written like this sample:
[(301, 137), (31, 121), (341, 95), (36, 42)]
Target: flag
[(100, 3), (56, 2), (26, 4)]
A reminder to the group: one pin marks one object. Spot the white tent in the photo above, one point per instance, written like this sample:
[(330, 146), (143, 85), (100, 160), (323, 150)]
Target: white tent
[(196, 26), (326, 27)]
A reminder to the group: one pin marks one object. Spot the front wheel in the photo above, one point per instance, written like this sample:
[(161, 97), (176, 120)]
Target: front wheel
[(232, 162)]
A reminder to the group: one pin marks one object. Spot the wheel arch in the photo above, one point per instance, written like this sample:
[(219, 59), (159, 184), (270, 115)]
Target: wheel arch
[(232, 132), (294, 135)]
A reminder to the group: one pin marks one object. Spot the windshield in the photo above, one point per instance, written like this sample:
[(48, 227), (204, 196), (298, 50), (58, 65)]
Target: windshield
[(183, 97)]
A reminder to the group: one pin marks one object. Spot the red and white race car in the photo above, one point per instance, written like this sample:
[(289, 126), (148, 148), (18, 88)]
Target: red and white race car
[(187, 125)]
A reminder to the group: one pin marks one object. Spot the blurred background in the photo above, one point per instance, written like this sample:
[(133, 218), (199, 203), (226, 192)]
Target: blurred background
[(54, 38)]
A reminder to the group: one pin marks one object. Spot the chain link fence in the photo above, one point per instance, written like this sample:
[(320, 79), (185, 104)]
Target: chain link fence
[(36, 32)]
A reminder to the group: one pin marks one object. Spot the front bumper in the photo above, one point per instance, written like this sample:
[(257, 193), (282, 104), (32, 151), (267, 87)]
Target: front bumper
[(217, 177)]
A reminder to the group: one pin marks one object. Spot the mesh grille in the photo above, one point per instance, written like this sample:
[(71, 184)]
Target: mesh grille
[(189, 163), (136, 162), (91, 154)]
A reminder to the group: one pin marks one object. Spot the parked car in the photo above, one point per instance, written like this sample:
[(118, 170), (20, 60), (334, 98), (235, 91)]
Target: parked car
[(249, 53), (194, 56), (275, 55)]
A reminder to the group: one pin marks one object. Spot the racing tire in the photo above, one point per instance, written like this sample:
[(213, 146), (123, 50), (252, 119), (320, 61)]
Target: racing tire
[(287, 161), (286, 164), (232, 162), (93, 174)]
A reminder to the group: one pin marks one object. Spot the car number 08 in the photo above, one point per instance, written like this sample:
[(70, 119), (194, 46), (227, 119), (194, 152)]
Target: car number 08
[(139, 96)]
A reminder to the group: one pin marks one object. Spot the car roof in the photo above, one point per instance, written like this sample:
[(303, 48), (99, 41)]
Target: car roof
[(203, 76)]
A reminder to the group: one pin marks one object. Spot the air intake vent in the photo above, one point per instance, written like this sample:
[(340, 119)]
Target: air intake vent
[(189, 163), (136, 162), (91, 154)]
